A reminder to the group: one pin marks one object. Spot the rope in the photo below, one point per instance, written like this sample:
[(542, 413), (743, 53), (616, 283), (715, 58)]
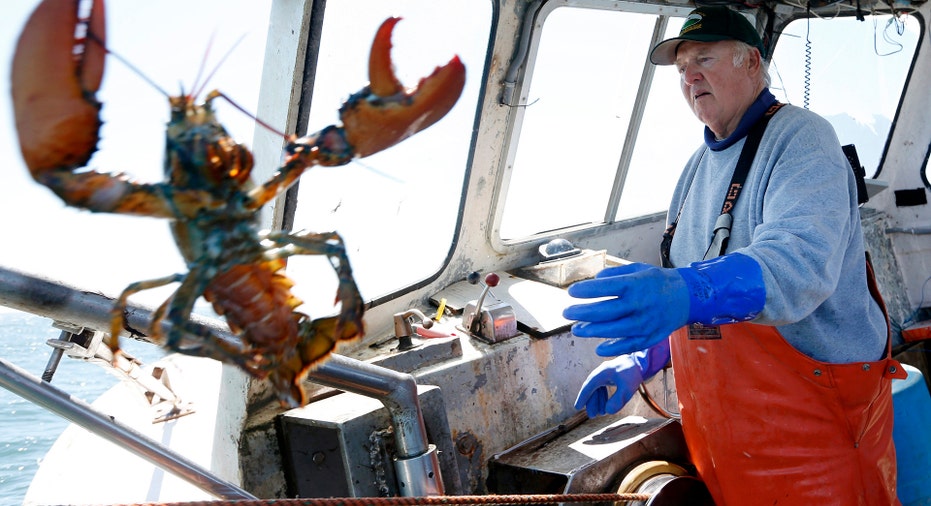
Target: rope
[(429, 500)]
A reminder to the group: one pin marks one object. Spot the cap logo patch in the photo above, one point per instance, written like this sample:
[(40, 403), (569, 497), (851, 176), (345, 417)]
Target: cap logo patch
[(692, 22)]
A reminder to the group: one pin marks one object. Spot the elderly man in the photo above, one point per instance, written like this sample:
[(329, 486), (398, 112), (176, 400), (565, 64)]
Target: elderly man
[(779, 340)]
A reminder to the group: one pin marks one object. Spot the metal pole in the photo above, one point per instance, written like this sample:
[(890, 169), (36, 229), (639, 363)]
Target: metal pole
[(397, 391), (82, 307), (417, 465), (77, 411)]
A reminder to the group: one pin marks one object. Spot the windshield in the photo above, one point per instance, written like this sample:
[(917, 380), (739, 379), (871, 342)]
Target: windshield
[(580, 124), (850, 72), (396, 210), (581, 139)]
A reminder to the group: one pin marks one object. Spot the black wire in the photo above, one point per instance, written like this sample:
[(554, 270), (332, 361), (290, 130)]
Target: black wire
[(899, 28)]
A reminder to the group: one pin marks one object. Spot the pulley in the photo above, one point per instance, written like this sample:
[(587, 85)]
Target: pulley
[(668, 484)]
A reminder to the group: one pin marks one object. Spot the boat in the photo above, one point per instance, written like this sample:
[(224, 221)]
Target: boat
[(558, 160)]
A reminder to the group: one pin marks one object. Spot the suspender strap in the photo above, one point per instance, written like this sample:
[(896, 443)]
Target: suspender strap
[(722, 227)]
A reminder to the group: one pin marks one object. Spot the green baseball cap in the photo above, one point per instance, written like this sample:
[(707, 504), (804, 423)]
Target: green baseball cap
[(708, 24)]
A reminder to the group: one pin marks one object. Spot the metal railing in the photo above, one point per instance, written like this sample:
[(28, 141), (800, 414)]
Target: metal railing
[(85, 308)]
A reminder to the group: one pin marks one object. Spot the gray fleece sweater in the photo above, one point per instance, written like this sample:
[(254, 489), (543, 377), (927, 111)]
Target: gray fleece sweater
[(797, 216)]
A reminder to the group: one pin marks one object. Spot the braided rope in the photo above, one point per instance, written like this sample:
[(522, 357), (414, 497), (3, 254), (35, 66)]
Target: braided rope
[(444, 500)]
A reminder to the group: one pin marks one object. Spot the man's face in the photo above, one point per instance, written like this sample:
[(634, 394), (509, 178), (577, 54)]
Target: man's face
[(718, 92)]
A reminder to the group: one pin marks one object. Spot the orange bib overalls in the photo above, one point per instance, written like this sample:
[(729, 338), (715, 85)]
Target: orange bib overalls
[(766, 424)]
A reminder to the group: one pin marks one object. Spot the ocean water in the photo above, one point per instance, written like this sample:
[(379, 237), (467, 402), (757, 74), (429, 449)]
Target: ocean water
[(26, 430)]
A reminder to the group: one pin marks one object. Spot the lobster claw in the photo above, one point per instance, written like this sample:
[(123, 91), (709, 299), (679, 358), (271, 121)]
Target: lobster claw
[(53, 81), (384, 113)]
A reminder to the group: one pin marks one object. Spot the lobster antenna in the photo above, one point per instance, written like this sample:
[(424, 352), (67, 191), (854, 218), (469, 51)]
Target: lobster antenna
[(198, 91), (203, 64), (220, 94), (130, 66)]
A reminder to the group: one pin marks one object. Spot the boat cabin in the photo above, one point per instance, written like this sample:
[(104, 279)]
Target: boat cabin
[(559, 159)]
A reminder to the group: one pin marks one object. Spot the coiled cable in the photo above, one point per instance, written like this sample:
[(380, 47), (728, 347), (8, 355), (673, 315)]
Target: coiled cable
[(807, 79)]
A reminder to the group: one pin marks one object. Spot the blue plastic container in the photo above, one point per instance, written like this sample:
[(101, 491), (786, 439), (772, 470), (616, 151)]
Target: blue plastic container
[(912, 406)]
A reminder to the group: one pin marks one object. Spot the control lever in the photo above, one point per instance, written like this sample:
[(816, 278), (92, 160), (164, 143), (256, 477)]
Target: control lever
[(494, 322), (491, 280), (403, 330)]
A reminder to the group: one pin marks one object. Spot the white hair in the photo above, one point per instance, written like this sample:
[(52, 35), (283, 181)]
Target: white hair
[(742, 50)]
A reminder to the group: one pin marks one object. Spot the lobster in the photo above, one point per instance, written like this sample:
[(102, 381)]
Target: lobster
[(208, 195)]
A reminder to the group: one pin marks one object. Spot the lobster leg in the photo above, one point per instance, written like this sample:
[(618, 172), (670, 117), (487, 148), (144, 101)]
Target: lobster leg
[(181, 304), (318, 339), (377, 117), (117, 312), (331, 245), (178, 307), (212, 346)]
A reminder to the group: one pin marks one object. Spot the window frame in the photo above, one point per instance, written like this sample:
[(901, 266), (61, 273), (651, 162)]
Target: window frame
[(664, 15)]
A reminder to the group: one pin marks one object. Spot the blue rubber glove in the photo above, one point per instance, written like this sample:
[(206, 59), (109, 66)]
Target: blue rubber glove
[(625, 373), (647, 303)]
